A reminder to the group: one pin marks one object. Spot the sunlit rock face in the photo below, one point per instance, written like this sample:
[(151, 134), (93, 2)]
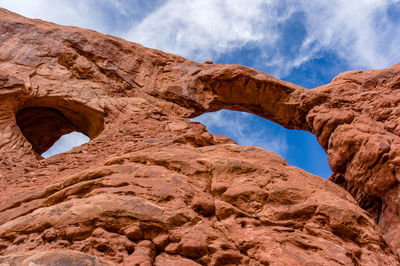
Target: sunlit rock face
[(153, 187)]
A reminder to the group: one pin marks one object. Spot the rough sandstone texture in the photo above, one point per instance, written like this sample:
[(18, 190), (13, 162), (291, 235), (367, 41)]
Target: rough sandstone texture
[(153, 187)]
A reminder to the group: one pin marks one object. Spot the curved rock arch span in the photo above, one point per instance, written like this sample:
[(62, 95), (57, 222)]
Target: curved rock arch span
[(143, 97)]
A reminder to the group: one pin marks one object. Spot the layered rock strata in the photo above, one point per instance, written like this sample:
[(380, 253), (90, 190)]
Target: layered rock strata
[(153, 187)]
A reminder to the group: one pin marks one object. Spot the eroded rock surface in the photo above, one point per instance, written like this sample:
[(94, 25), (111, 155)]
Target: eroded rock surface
[(153, 187)]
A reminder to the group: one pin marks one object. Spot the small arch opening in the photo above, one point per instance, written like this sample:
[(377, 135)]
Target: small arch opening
[(299, 148), (66, 143), (44, 121), (43, 126)]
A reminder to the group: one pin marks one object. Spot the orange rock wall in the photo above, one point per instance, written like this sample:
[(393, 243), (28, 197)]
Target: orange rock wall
[(153, 187)]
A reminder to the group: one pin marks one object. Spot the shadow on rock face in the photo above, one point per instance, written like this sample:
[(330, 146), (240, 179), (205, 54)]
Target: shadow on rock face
[(42, 125)]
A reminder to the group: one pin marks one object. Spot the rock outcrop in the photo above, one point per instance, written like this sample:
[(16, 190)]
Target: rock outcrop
[(153, 187)]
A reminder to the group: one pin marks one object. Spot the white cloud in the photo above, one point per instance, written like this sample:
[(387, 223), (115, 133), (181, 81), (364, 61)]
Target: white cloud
[(106, 16), (66, 143), (240, 127), (357, 31), (64, 12), (203, 29)]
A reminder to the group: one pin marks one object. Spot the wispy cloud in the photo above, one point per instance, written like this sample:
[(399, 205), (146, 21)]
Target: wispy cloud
[(74, 13), (107, 16), (361, 32), (203, 29)]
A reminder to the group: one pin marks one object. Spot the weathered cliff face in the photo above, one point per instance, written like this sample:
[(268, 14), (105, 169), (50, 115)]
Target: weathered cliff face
[(153, 187)]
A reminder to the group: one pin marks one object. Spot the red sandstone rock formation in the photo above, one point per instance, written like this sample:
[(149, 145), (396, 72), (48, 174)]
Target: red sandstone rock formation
[(153, 187)]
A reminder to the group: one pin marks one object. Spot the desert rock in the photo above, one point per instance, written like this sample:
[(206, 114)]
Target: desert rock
[(153, 187)]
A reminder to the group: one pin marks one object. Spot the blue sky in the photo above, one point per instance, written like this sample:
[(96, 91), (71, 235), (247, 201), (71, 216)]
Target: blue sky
[(305, 42)]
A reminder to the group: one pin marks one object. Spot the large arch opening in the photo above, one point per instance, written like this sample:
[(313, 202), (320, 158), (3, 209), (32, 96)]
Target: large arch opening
[(299, 148), (44, 121)]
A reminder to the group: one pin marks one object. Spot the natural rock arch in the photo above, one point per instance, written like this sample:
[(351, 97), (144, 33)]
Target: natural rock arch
[(143, 98), (355, 119), (44, 120)]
